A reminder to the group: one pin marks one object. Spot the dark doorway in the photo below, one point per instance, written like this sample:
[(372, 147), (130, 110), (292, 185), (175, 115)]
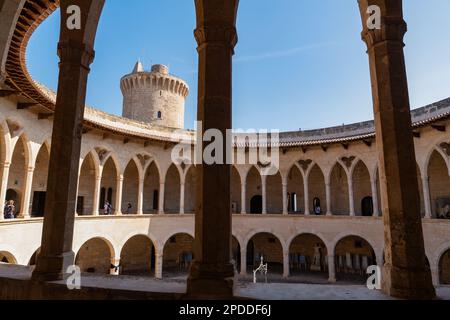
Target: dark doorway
[(80, 206), (109, 197), (155, 199), (38, 207), (367, 207), (250, 254), (101, 205), (256, 205)]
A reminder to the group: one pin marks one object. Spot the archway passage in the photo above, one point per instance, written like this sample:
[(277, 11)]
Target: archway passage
[(269, 247), (444, 268), (7, 258), (254, 192), (95, 256), (339, 191), (137, 257), (438, 174), (151, 189), (172, 191), (178, 255), (108, 185), (296, 193), (39, 186), (130, 189), (362, 190), (236, 253), (308, 258), (86, 187), (353, 256)]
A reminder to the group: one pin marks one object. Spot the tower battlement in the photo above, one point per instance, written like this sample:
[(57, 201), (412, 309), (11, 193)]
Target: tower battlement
[(155, 96)]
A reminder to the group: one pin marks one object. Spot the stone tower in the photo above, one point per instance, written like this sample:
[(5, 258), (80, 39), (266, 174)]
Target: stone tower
[(154, 97)]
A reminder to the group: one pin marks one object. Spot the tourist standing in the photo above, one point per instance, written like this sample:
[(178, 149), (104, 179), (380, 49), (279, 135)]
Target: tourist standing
[(10, 210)]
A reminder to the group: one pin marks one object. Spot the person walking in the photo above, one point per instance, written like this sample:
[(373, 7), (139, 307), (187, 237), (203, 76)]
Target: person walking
[(10, 210)]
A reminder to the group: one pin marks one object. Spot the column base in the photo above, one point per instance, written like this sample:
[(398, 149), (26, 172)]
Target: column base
[(53, 268), (211, 282), (407, 284)]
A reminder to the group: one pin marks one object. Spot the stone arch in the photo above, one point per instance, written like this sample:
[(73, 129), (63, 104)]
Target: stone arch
[(308, 253), (7, 258), (274, 191), (362, 189), (137, 256), (172, 190), (178, 253), (353, 255), (296, 191), (268, 246), (131, 177), (236, 185), (39, 184), (444, 268), (439, 184), (86, 185), (190, 189), (33, 258), (317, 189), (254, 189), (152, 180), (339, 190), (108, 185), (95, 255)]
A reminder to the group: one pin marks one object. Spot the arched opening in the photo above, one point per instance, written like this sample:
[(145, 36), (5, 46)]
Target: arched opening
[(151, 189), (13, 195), (362, 190), (178, 255), (254, 192), (7, 258), (95, 256), (136, 257), (236, 254), (444, 268), (190, 190), (274, 194), (130, 188), (39, 186), (17, 173), (339, 191), (236, 205), (86, 187), (33, 259), (317, 191), (108, 184), (296, 193), (267, 246), (172, 191), (439, 186), (353, 256), (308, 258)]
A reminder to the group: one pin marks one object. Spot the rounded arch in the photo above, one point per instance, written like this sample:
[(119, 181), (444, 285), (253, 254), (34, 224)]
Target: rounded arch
[(33, 258), (308, 253), (443, 266), (137, 256), (95, 255), (178, 253), (7, 258), (268, 246)]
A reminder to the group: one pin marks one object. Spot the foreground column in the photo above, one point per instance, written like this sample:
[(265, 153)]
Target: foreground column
[(405, 273), (212, 272), (76, 53)]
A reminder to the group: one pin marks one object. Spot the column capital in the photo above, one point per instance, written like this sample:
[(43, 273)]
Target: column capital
[(222, 35), (73, 52), (393, 29)]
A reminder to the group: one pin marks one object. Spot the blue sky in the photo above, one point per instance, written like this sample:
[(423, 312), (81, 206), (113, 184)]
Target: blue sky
[(298, 63)]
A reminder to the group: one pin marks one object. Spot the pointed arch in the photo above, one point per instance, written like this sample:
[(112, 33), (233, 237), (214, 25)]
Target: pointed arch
[(39, 184), (439, 184), (236, 192), (172, 190), (151, 188), (86, 185), (339, 190), (362, 189), (296, 190), (131, 177), (254, 191)]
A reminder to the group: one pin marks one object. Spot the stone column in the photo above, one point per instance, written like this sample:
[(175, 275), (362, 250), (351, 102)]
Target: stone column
[(212, 272), (76, 53), (328, 195), (182, 188), (26, 195), (97, 190), (285, 198), (159, 264), (426, 196), (331, 269), (243, 198), (243, 261), (351, 197), (405, 272), (119, 192), (140, 203), (286, 271), (161, 198), (376, 208), (116, 263), (4, 187), (264, 193), (306, 192)]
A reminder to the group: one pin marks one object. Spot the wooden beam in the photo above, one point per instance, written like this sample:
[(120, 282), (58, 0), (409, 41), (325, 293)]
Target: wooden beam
[(345, 146), (44, 116), (438, 127), (126, 141), (6, 93), (23, 106), (324, 147), (368, 143), (416, 134)]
